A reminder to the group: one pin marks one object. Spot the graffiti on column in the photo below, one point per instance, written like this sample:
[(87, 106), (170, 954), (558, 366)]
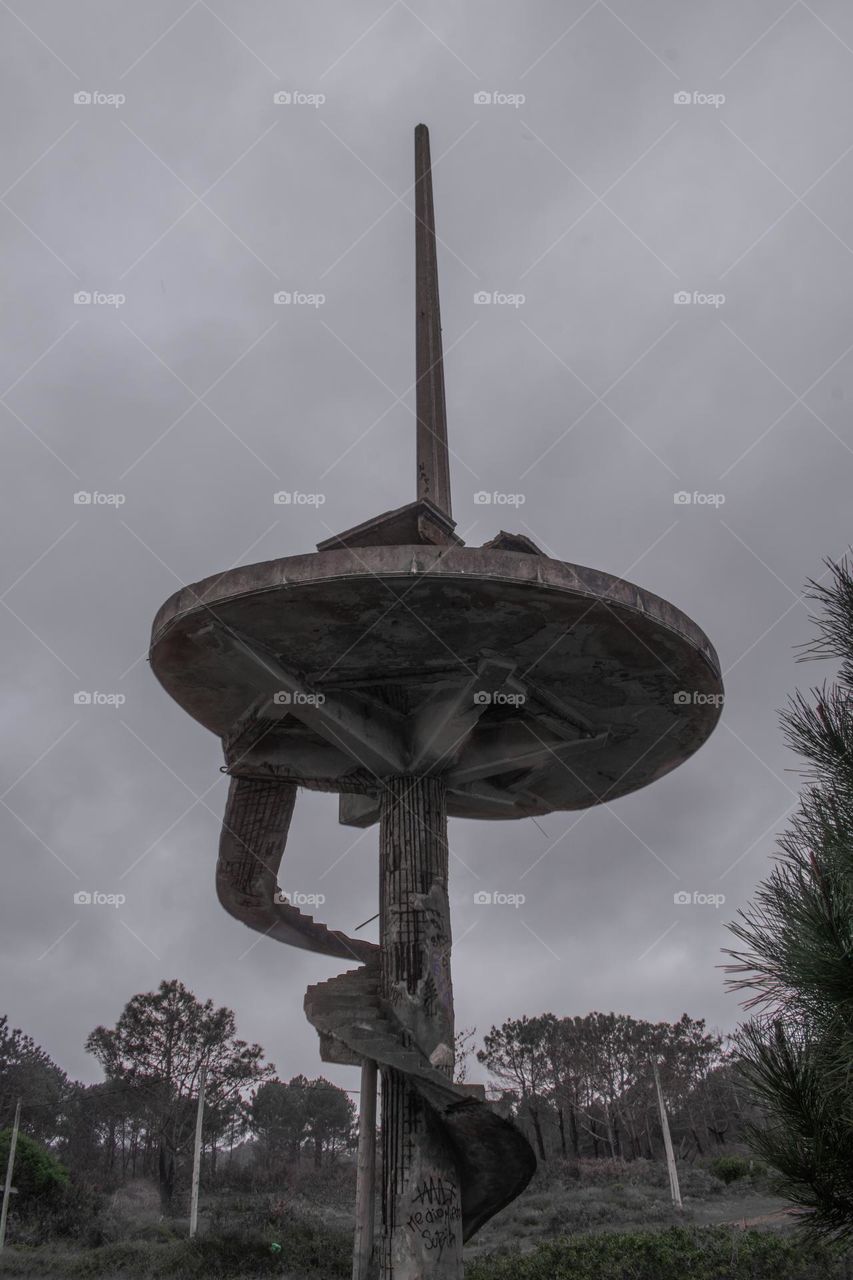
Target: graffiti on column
[(435, 1213)]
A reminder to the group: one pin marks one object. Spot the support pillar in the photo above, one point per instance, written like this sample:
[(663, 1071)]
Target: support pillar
[(421, 1211), (365, 1197)]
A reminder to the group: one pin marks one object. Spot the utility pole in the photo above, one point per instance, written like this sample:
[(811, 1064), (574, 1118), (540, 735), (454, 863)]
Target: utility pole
[(197, 1154), (365, 1190), (667, 1143), (7, 1189)]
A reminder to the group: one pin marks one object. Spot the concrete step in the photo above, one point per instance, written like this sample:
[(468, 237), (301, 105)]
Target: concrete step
[(328, 1005), (343, 985)]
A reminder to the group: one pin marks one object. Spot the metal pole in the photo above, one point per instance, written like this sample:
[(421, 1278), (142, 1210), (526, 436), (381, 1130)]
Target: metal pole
[(197, 1154), (667, 1143), (365, 1192), (7, 1189)]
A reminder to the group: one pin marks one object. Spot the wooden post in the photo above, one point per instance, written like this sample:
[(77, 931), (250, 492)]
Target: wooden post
[(365, 1190), (10, 1163), (667, 1143), (421, 1210), (197, 1154)]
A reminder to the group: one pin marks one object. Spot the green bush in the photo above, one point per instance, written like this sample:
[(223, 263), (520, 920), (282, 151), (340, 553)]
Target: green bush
[(707, 1253), (37, 1176), (732, 1168)]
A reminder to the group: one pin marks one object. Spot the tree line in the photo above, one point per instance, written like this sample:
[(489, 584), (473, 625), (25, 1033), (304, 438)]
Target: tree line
[(584, 1086), (139, 1121)]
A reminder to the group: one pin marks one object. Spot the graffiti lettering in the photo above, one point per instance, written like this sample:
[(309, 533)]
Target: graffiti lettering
[(435, 1191), (434, 1222)]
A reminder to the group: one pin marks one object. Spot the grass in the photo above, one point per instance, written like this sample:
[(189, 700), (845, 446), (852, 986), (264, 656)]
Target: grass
[(307, 1251), (601, 1196), (700, 1253), (703, 1253), (600, 1220)]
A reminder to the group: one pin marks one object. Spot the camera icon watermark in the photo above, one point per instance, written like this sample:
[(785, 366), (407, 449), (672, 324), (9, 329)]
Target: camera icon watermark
[(486, 298), (296, 98), (498, 99), (696, 698), (498, 698), (484, 499), (85, 498), (297, 899), (684, 899), (85, 698), (694, 499), (294, 498), (293, 298), (686, 298), (483, 898), (698, 99), (89, 298), (83, 98), (82, 898), (284, 698)]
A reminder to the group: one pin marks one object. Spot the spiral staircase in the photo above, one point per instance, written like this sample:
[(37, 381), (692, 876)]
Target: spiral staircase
[(493, 1158)]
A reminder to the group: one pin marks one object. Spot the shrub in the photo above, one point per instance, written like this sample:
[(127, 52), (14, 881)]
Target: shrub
[(38, 1176), (731, 1168), (709, 1253), (75, 1214), (307, 1251)]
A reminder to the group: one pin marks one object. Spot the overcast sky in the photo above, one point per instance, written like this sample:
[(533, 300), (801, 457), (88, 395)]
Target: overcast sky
[(182, 197)]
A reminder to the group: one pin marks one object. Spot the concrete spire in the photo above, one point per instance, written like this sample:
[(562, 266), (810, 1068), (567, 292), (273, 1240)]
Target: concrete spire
[(433, 461)]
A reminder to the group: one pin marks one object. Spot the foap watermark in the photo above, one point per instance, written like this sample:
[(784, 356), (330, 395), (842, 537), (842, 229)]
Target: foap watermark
[(695, 899), (487, 298), (83, 898), (497, 99), (295, 498), (94, 298), (498, 698), (698, 99), (296, 98), (285, 298), (92, 698), (694, 499), (484, 499), (95, 98), (284, 698), (93, 498), (484, 898), (695, 298), (296, 899), (696, 698)]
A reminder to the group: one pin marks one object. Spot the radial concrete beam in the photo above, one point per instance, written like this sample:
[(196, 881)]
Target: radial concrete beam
[(371, 736), (441, 724), (509, 750), (483, 790), (566, 720)]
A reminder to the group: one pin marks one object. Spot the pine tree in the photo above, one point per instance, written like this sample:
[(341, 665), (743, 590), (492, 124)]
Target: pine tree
[(796, 947)]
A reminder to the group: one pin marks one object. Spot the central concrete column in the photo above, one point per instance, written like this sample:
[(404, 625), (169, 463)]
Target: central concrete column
[(421, 1210)]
